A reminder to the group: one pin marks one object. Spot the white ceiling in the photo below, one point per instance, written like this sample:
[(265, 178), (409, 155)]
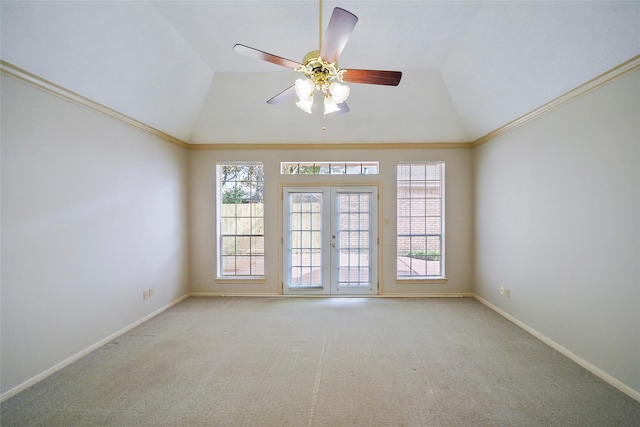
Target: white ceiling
[(468, 67)]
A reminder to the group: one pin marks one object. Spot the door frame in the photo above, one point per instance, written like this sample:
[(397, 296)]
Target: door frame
[(375, 238)]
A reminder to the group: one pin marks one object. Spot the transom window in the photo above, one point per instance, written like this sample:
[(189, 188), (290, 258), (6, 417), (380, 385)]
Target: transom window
[(240, 220), (420, 206), (329, 168)]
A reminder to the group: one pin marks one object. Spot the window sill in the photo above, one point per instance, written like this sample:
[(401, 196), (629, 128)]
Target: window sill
[(422, 280)]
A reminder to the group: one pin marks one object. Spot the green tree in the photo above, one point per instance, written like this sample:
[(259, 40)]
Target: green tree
[(242, 183), (233, 195), (302, 169)]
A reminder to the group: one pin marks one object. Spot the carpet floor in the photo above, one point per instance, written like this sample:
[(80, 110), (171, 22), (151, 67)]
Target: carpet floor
[(323, 362)]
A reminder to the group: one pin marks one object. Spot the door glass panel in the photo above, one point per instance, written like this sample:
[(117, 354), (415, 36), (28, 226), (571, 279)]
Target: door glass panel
[(305, 234), (354, 239)]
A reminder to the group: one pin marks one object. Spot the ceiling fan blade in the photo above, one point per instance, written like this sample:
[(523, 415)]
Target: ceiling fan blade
[(344, 109), (283, 96), (372, 77), (258, 54), (339, 29)]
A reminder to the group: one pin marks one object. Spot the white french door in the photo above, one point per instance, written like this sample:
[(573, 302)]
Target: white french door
[(330, 243)]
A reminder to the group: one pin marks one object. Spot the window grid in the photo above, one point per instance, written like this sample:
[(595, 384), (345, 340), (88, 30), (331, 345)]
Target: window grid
[(241, 225), (420, 220), (329, 168)]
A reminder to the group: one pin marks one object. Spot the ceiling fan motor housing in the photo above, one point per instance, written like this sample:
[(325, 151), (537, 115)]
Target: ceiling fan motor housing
[(320, 71)]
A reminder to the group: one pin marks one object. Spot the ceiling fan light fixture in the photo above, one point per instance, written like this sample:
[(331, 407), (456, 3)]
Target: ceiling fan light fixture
[(339, 92)]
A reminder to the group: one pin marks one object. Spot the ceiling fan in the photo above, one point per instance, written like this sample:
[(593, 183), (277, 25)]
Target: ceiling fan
[(320, 67)]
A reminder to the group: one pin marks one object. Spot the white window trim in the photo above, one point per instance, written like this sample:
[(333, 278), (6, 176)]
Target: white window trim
[(328, 168), (220, 278), (441, 279)]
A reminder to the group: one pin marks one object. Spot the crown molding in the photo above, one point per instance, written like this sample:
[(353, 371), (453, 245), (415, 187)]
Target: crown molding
[(31, 79), (626, 67), (38, 82), (336, 146), (24, 76)]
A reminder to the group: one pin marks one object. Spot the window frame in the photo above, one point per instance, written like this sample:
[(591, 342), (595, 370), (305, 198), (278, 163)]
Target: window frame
[(220, 273), (441, 277), (333, 168)]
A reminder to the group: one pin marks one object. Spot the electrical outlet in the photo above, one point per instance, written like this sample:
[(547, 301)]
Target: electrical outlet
[(150, 292), (502, 290), (145, 295), (507, 293)]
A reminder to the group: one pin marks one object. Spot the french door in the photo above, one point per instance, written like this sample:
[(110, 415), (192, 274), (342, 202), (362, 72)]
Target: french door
[(330, 243)]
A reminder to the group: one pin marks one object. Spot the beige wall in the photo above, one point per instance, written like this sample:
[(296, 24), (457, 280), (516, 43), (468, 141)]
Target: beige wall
[(458, 216), (557, 221), (93, 213)]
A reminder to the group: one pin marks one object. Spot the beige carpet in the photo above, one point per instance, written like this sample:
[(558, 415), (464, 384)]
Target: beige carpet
[(323, 362)]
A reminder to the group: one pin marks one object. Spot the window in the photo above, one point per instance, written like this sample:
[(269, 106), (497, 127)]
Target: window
[(420, 205), (329, 168), (240, 220)]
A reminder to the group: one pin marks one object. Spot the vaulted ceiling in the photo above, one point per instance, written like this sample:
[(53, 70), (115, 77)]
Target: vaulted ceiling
[(468, 67)]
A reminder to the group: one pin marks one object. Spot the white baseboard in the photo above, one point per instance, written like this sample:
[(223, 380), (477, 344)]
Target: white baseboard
[(563, 350), (386, 295), (17, 389), (426, 295), (234, 294)]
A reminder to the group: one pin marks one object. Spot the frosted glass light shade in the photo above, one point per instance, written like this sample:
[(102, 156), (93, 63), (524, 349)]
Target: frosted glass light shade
[(305, 104), (304, 88), (339, 92), (330, 105)]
